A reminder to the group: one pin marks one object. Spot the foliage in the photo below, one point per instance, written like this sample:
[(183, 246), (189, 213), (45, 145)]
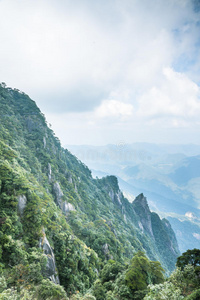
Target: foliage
[(99, 291), (194, 296), (91, 228), (3, 284), (87, 296), (51, 291), (124, 282), (182, 284), (163, 291), (186, 280), (110, 271), (120, 289), (143, 272), (46, 290), (190, 257)]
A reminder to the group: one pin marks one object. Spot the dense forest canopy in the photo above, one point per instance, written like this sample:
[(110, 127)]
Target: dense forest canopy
[(64, 234)]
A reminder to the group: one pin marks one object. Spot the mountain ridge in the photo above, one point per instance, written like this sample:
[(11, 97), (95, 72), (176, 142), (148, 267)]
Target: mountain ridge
[(51, 205), (168, 175)]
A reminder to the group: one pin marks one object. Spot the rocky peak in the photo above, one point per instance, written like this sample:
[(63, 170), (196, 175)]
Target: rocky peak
[(141, 208), (142, 201)]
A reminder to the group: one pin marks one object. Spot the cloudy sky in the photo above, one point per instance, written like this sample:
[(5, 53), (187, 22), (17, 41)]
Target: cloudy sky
[(107, 71)]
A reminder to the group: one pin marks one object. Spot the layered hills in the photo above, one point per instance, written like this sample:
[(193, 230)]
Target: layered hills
[(168, 175)]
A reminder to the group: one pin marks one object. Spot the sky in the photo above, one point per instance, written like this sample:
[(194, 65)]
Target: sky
[(107, 71)]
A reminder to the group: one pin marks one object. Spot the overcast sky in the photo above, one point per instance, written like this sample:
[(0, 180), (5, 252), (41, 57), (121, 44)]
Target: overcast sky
[(107, 71)]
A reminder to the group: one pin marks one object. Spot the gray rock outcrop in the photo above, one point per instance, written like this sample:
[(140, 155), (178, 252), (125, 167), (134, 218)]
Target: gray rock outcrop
[(58, 194), (64, 206), (116, 197), (44, 142), (50, 271), (49, 171), (141, 208), (67, 207), (21, 204), (106, 252)]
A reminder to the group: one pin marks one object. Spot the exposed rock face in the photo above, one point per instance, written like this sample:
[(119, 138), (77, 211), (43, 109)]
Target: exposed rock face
[(116, 197), (70, 179), (67, 207), (58, 194), (21, 204), (105, 249), (32, 124), (69, 176), (140, 226), (173, 241), (141, 207), (50, 271), (106, 252), (75, 187), (125, 218), (64, 206), (49, 171), (44, 142), (159, 231)]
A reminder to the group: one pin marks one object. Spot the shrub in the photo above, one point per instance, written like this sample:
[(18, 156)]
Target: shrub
[(194, 296)]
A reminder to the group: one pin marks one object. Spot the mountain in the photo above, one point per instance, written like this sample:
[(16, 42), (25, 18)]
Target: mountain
[(56, 220), (168, 175), (189, 169), (187, 232)]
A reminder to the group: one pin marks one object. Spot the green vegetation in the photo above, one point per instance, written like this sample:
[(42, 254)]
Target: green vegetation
[(191, 257), (59, 225), (143, 272), (182, 284)]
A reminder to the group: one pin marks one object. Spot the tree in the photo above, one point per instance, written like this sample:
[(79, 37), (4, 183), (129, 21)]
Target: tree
[(143, 272), (49, 290), (110, 270), (166, 290), (191, 257), (99, 291), (156, 272), (194, 296), (185, 280)]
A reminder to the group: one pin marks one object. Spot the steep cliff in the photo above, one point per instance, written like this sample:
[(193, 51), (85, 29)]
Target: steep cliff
[(52, 209)]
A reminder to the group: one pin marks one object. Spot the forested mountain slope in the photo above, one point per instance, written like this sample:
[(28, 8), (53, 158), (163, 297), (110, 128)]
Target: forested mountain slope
[(55, 218), (168, 175)]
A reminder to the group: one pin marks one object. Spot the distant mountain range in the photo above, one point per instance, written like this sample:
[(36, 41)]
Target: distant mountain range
[(169, 175)]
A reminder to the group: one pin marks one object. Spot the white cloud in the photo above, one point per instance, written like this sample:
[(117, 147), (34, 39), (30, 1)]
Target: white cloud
[(61, 45), (114, 108), (176, 97), (196, 235), (71, 55)]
